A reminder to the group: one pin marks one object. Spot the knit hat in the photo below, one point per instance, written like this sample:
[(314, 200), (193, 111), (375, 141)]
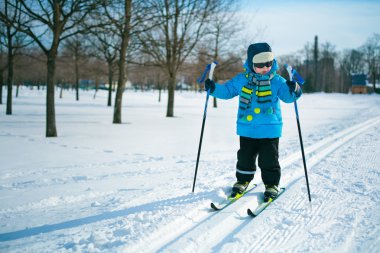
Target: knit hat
[(259, 53)]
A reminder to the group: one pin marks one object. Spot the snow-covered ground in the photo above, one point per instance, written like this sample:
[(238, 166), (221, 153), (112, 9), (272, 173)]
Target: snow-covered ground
[(101, 187)]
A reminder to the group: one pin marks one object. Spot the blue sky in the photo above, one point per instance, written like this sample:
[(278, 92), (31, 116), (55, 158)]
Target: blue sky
[(289, 24)]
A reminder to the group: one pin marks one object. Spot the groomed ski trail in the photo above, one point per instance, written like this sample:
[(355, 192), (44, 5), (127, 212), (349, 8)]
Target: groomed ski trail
[(204, 232)]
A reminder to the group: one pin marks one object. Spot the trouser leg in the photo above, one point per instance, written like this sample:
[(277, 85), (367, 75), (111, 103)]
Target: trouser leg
[(268, 161), (246, 159)]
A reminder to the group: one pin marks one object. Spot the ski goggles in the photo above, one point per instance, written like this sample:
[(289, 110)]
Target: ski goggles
[(263, 64)]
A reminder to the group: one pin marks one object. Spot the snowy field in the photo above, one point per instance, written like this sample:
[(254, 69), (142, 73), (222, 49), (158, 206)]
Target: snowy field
[(101, 187)]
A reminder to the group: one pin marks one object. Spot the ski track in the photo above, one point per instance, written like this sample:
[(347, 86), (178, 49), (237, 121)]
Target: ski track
[(193, 224), (218, 226), (320, 220)]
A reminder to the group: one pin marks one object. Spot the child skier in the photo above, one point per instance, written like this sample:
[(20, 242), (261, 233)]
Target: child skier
[(259, 120)]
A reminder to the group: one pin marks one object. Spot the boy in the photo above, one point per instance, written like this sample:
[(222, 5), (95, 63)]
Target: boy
[(259, 120)]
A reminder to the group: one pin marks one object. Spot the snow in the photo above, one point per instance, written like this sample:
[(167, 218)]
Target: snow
[(101, 187)]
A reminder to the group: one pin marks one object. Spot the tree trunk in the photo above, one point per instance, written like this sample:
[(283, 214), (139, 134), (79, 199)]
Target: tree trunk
[(51, 130), (61, 91), (374, 79), (1, 86), (96, 87), (123, 50), (119, 94), (341, 81), (316, 81), (374, 84), (9, 94), (171, 87), (77, 77), (120, 86), (10, 73), (17, 89), (110, 80)]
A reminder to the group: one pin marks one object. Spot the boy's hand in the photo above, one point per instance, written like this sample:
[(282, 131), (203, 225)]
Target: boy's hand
[(294, 87), (209, 85)]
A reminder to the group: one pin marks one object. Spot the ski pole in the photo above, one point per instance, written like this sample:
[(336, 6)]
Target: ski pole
[(210, 67), (293, 75)]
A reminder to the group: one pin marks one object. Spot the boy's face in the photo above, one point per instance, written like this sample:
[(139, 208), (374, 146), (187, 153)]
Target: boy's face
[(263, 70)]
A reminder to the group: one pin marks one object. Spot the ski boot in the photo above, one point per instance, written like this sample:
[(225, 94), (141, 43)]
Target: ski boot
[(239, 187), (271, 192)]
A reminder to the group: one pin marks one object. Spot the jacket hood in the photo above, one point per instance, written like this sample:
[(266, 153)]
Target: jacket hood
[(259, 53)]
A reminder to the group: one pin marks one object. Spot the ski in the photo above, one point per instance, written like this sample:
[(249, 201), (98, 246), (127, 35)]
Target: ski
[(231, 199), (263, 205)]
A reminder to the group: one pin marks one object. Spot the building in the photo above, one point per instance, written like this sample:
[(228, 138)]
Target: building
[(359, 84)]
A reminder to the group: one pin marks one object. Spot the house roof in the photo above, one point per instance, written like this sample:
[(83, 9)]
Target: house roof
[(359, 79)]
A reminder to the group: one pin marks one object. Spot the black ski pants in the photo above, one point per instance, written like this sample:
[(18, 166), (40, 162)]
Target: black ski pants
[(266, 150)]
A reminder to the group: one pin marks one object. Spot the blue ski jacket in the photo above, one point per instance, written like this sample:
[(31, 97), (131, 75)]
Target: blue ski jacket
[(257, 119)]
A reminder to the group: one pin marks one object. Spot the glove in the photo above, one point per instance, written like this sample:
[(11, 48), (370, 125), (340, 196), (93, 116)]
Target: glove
[(209, 85), (294, 88)]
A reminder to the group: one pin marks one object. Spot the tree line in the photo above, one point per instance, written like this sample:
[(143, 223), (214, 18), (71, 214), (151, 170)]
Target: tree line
[(152, 43), (327, 70), (154, 33)]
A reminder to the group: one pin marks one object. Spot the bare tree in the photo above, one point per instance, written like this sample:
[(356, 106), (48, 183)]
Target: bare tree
[(327, 67), (75, 48), (12, 39), (356, 61), (371, 50), (105, 43), (224, 27), (3, 62), (126, 16), (307, 51), (30, 66), (316, 64), (48, 23), (180, 25), (350, 62), (123, 23)]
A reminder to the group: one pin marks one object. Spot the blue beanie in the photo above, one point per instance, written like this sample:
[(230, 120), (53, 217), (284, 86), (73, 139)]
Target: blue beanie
[(259, 53)]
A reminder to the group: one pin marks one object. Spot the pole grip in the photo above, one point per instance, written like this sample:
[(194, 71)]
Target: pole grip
[(290, 72), (212, 68), (293, 74)]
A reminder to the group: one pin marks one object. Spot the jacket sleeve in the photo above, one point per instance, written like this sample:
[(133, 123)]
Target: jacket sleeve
[(284, 92), (230, 89)]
